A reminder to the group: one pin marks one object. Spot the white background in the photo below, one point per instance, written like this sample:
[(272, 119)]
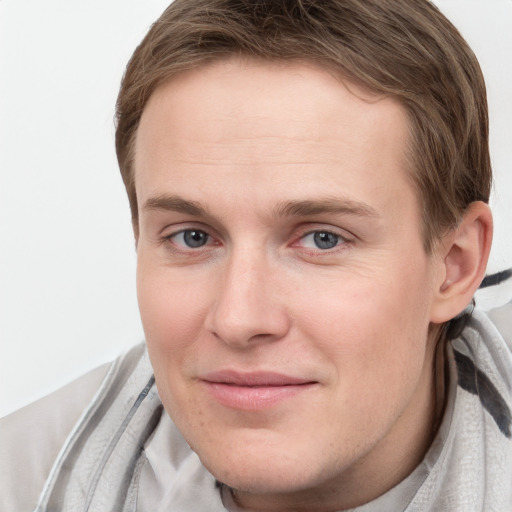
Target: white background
[(67, 258)]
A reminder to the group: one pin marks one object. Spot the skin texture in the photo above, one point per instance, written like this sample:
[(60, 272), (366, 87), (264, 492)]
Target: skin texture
[(258, 157)]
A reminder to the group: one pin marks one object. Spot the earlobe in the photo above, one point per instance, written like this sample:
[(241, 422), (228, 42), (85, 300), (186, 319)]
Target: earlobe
[(464, 252)]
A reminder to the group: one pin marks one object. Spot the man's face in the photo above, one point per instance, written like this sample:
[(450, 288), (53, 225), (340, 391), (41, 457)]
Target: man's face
[(283, 286)]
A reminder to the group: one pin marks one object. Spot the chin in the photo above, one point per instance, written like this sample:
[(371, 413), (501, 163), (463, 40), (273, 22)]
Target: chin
[(265, 482), (260, 471)]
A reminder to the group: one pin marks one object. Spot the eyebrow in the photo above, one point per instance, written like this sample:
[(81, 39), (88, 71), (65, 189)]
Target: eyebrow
[(297, 208), (327, 205), (175, 204)]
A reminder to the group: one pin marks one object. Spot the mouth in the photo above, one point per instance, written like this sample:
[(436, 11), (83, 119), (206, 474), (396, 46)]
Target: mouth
[(254, 391)]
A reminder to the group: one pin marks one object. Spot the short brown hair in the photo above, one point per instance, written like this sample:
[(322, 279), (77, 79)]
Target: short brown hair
[(402, 48)]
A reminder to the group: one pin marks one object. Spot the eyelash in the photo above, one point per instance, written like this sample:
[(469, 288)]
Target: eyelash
[(168, 239), (340, 240)]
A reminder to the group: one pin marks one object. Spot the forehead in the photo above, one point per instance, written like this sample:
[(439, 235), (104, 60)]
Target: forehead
[(248, 123), (260, 94)]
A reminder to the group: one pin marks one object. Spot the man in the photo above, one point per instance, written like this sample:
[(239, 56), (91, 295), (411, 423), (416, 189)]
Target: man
[(308, 184)]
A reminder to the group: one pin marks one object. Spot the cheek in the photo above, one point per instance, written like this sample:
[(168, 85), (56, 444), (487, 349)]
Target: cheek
[(172, 325), (169, 307), (172, 316), (374, 329)]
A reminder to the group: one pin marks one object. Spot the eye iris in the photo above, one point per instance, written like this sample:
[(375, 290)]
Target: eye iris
[(195, 238), (325, 240)]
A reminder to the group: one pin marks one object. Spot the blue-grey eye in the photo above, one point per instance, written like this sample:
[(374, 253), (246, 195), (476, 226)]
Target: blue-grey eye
[(194, 238), (325, 240)]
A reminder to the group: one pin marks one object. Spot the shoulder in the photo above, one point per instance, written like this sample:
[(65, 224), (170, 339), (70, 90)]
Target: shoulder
[(501, 317), (31, 438), (495, 297)]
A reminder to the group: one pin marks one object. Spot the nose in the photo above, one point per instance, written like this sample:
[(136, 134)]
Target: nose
[(249, 306)]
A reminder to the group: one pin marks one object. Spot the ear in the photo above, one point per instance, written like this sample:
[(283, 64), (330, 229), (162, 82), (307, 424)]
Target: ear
[(462, 253)]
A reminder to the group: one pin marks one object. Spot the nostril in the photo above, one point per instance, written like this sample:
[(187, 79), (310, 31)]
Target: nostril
[(257, 326)]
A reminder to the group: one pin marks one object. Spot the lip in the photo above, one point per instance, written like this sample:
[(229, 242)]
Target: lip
[(254, 391)]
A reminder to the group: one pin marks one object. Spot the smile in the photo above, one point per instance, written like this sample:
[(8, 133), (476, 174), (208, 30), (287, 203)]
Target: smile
[(254, 391)]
